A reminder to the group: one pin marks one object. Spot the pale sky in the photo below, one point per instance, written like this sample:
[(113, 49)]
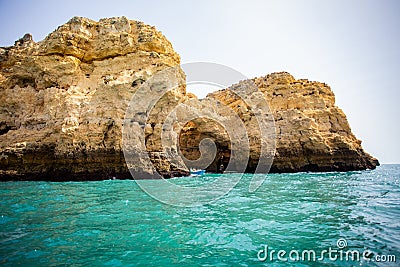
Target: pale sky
[(354, 46)]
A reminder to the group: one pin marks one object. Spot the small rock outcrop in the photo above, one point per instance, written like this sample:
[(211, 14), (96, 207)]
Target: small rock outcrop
[(63, 103)]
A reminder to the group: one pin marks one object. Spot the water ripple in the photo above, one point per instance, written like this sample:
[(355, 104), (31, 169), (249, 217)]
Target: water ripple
[(114, 223)]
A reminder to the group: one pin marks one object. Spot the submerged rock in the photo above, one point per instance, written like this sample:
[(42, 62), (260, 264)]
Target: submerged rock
[(63, 102)]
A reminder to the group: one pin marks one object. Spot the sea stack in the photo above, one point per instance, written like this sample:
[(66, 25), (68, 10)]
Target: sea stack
[(63, 102)]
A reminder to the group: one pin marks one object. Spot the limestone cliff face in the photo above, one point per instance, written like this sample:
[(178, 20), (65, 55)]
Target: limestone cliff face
[(63, 99), (312, 133), (63, 103)]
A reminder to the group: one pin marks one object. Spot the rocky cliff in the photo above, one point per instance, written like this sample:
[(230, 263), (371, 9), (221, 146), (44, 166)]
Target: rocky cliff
[(63, 103), (63, 100), (312, 134)]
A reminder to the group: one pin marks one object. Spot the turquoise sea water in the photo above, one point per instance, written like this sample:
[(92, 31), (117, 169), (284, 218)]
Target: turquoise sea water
[(114, 223)]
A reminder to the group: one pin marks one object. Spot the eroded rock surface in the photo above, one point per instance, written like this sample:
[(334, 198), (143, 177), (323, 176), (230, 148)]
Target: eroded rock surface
[(312, 134), (63, 102)]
